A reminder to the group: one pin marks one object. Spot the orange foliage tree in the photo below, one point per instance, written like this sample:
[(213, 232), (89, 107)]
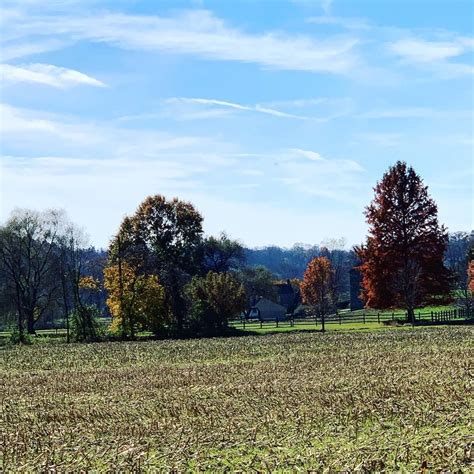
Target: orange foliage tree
[(316, 287), (402, 260)]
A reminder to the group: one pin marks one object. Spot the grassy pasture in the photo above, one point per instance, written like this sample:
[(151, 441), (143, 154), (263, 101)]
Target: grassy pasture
[(383, 400)]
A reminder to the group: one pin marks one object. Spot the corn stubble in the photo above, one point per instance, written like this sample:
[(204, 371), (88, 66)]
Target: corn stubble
[(391, 400)]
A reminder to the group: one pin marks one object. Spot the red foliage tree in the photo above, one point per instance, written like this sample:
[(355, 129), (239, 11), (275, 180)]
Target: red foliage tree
[(470, 271), (316, 287), (402, 260)]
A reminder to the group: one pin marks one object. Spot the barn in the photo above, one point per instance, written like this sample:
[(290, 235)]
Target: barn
[(267, 310)]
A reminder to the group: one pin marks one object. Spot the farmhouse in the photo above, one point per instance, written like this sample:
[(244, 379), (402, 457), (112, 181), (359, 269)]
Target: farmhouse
[(267, 310)]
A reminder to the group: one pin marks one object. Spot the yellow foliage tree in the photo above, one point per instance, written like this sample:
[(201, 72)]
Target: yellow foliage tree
[(136, 302), (89, 283)]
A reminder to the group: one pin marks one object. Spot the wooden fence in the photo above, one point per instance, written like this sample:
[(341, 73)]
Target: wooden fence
[(432, 317)]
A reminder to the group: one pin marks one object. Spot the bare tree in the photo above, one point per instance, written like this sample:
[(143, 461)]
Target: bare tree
[(28, 242), (71, 243), (333, 249)]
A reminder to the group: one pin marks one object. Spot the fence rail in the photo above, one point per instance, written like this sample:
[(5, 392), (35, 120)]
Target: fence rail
[(434, 317)]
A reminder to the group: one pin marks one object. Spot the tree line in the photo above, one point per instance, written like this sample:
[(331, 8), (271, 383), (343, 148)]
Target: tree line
[(161, 274)]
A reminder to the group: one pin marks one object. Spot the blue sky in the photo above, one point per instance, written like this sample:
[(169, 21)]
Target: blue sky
[(274, 118)]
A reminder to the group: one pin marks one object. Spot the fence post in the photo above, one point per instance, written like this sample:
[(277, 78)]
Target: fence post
[(378, 318), (432, 317), (393, 316), (243, 322), (276, 322), (261, 324), (363, 316), (340, 319)]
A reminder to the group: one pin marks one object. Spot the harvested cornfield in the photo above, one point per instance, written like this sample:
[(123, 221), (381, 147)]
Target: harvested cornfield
[(382, 401)]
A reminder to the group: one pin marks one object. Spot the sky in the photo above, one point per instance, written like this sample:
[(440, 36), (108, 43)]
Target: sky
[(274, 118)]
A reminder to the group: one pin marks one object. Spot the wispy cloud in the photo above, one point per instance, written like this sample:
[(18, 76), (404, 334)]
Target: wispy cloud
[(46, 74), (344, 164), (192, 108), (46, 133), (200, 33), (21, 49), (422, 51), (308, 172), (436, 55), (311, 155), (349, 23), (233, 105), (436, 51)]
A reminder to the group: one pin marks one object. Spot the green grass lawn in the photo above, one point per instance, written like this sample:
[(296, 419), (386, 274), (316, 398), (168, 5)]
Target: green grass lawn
[(333, 326), (386, 400), (330, 327), (270, 327), (399, 311)]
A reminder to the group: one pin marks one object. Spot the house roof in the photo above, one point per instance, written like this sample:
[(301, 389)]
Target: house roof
[(265, 304)]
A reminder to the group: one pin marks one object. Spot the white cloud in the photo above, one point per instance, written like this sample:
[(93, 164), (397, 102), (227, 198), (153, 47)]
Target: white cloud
[(436, 56), (422, 51), (46, 74), (232, 105), (25, 130), (335, 179), (189, 108), (321, 109), (311, 155), (202, 34), (14, 50), (74, 159), (344, 22), (346, 165)]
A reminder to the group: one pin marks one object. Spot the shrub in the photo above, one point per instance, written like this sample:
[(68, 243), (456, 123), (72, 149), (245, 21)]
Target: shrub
[(15, 338), (213, 300), (85, 324)]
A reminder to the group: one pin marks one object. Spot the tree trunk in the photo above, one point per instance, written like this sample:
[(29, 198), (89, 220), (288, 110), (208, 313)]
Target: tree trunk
[(21, 330), (411, 315), (30, 322), (66, 306), (322, 322)]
